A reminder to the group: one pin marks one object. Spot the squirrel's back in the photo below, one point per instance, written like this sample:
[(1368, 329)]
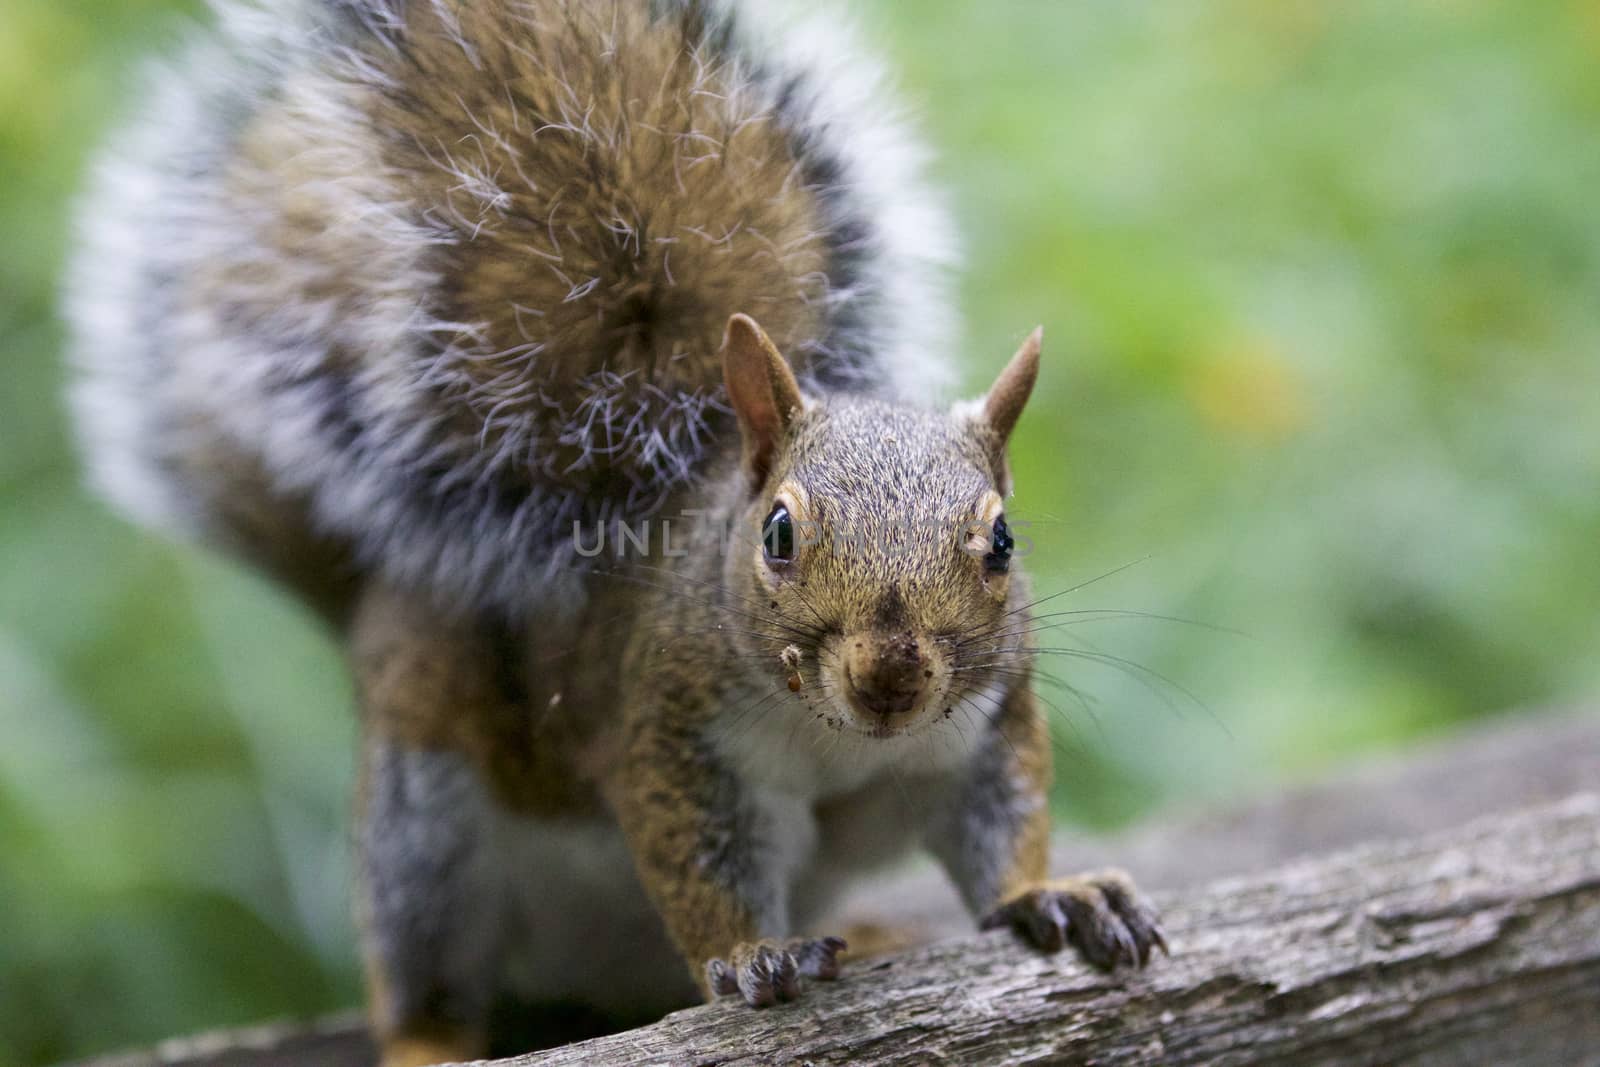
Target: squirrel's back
[(415, 284)]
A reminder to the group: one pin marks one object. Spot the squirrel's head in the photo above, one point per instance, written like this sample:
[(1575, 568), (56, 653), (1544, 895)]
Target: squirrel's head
[(878, 549)]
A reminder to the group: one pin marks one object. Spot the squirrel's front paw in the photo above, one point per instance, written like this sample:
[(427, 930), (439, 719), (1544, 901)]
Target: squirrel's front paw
[(765, 972), (1102, 915)]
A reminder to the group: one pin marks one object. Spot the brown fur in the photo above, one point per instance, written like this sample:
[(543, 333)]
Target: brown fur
[(420, 1052), (540, 96), (420, 1044), (1028, 734), (541, 738), (868, 940), (667, 798), (270, 528), (706, 919)]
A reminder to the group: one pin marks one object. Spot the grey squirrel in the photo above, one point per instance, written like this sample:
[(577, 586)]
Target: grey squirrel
[(396, 298)]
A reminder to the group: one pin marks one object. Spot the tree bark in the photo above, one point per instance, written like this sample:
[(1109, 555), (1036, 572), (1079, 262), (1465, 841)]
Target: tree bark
[(1479, 945), (1501, 765), (1432, 942)]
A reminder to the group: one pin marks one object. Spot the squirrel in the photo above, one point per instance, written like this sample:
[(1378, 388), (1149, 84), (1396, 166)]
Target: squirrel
[(407, 302)]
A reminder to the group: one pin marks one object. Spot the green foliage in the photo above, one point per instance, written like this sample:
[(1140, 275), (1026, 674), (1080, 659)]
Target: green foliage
[(1318, 283)]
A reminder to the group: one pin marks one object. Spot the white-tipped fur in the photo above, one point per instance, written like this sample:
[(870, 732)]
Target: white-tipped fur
[(167, 371), (122, 396), (855, 105)]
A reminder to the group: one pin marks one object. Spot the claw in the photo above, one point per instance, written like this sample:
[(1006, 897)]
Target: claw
[(818, 957), (720, 977), (1103, 916), (766, 973)]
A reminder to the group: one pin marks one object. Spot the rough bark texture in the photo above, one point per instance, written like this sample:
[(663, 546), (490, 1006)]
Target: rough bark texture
[(1515, 761), (1435, 942), (1479, 945), (340, 1041)]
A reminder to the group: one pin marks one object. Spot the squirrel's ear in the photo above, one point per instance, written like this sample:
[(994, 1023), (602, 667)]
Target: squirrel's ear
[(763, 392), (1003, 404)]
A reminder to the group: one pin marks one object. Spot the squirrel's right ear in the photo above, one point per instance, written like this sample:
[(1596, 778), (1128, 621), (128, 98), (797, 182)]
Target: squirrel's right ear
[(763, 392)]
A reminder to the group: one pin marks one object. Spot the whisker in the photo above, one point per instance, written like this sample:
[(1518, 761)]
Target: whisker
[(799, 589), (1139, 672), (1073, 589), (1094, 615), (763, 703)]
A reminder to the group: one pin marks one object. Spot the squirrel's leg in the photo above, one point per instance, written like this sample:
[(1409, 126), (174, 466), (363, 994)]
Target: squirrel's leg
[(716, 862), (431, 896), (994, 841), (429, 904)]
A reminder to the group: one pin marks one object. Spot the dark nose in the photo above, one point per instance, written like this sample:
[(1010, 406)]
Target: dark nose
[(886, 673)]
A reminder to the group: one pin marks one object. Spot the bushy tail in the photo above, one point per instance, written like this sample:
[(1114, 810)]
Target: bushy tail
[(461, 273)]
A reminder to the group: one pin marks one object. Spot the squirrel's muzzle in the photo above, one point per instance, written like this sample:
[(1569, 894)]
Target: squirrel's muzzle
[(886, 674)]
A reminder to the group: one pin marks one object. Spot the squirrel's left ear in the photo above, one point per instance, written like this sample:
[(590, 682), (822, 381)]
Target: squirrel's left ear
[(763, 392), (1003, 404)]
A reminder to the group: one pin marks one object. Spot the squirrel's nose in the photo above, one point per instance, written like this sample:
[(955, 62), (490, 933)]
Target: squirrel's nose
[(886, 673)]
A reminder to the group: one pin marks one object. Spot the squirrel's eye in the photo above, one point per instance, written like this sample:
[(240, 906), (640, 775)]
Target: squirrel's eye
[(777, 536), (998, 559)]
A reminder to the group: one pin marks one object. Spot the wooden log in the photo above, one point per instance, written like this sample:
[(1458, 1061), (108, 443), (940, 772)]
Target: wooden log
[(1478, 945), (338, 1041), (1514, 761), (1475, 945)]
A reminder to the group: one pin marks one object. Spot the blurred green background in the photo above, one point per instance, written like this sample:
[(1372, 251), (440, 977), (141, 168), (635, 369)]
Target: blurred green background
[(1321, 282)]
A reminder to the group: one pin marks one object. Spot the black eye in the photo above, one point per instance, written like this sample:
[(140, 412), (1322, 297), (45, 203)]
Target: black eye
[(777, 536), (998, 559)]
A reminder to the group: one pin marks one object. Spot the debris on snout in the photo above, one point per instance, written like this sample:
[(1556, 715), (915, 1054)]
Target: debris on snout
[(790, 658)]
